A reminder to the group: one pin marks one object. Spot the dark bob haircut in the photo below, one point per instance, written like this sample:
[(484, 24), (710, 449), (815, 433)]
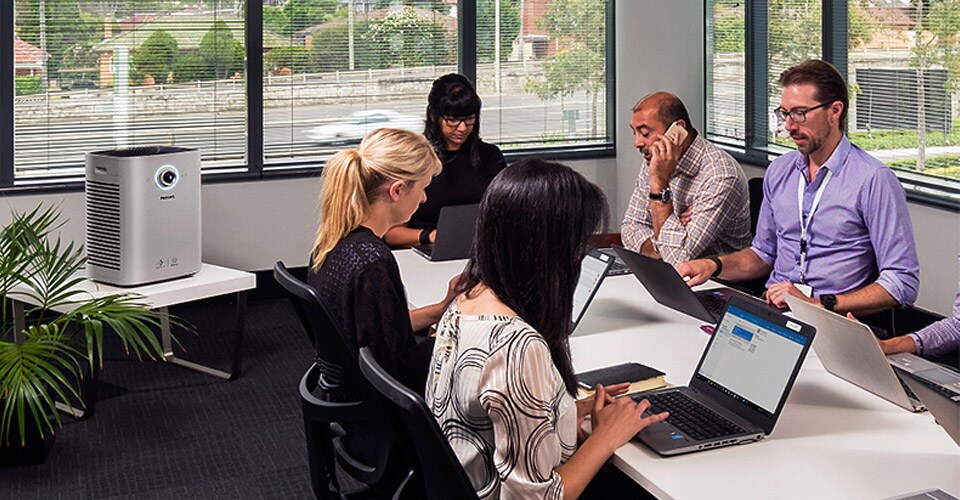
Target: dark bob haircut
[(531, 237), (453, 95)]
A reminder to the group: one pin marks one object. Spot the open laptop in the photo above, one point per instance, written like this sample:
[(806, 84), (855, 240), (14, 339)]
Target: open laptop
[(849, 350), (668, 288), (593, 270), (739, 388), (454, 238), (939, 389)]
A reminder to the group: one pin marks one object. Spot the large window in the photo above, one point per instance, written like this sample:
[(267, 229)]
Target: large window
[(259, 85), (901, 59)]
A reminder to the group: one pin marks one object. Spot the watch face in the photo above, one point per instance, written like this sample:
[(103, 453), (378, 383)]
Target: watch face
[(667, 196)]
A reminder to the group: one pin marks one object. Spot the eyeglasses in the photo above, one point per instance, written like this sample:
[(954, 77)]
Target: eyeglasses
[(797, 115), (452, 122)]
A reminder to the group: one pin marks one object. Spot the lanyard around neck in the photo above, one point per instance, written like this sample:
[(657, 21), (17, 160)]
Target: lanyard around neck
[(805, 224)]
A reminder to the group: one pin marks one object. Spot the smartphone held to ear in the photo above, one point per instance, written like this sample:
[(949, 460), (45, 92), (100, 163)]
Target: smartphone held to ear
[(676, 133)]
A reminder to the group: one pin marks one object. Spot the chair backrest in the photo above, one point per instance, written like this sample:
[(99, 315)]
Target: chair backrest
[(443, 475), (755, 187), (349, 420)]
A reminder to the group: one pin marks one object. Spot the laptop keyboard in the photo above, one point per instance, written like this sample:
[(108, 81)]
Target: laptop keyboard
[(694, 419), (715, 304), (618, 268)]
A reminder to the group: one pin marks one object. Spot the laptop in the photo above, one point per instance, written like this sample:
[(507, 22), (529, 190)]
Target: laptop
[(593, 270), (454, 238), (740, 386), (618, 268), (849, 350), (939, 389), (668, 288)]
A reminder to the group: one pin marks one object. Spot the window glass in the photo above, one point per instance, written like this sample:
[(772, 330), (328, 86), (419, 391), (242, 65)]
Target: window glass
[(795, 35), (345, 68), (93, 75), (905, 72), (726, 70), (542, 73)]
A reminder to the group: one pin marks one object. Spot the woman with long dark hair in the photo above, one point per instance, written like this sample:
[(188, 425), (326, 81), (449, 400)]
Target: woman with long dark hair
[(453, 128), (501, 381)]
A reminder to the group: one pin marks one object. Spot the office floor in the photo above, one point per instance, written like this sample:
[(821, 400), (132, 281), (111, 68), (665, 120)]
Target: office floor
[(161, 431)]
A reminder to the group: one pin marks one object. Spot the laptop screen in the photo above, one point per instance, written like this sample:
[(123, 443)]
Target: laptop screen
[(592, 271), (752, 359)]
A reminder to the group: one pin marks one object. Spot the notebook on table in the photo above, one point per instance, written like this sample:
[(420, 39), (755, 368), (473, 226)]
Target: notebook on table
[(641, 377), (848, 349), (454, 236), (668, 288), (738, 389)]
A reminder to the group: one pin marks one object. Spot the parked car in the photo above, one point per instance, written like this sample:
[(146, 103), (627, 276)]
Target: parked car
[(357, 125)]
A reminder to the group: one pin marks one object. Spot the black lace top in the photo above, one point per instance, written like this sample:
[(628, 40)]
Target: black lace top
[(359, 284)]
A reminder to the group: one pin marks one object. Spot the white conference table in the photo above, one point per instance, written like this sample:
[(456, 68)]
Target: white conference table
[(833, 439)]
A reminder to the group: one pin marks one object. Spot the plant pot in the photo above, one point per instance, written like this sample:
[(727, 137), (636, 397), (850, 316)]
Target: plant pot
[(35, 452)]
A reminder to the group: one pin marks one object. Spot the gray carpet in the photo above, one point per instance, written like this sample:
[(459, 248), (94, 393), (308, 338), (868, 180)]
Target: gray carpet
[(161, 431)]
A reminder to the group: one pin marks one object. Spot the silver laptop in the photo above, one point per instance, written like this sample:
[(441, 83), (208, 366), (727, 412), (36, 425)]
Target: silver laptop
[(849, 350), (668, 288), (740, 386), (593, 270), (939, 389), (454, 237)]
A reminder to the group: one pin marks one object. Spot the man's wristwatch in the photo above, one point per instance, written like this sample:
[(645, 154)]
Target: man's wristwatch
[(716, 260), (665, 196), (425, 237), (828, 301)]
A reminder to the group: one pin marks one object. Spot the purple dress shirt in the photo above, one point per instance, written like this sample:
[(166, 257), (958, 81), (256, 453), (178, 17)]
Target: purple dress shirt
[(861, 226), (942, 337)]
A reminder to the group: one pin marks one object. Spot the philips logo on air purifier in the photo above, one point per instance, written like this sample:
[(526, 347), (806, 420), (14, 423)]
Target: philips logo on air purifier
[(168, 197)]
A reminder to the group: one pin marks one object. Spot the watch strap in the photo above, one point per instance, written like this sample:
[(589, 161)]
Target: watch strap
[(425, 236), (716, 260)]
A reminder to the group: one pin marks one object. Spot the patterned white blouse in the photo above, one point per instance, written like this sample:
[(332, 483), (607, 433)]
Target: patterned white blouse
[(501, 403)]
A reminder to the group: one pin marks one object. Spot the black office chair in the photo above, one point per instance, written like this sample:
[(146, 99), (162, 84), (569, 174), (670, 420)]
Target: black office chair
[(755, 188), (443, 476), (756, 286), (346, 426)]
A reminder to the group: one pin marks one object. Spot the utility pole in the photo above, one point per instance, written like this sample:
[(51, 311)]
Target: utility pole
[(351, 19)]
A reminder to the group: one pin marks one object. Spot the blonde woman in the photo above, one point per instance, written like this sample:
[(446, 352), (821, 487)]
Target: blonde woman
[(365, 192)]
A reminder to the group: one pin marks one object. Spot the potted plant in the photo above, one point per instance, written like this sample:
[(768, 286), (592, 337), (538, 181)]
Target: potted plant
[(42, 360)]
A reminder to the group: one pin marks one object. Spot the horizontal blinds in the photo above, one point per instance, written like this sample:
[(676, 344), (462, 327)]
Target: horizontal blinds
[(795, 35), (541, 71), (726, 71), (348, 68), (93, 75), (904, 71)]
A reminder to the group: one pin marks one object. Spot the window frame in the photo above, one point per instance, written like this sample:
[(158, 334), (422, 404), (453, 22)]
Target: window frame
[(253, 168), (754, 149)]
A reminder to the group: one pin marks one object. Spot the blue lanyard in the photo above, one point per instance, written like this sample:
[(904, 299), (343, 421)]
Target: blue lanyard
[(805, 225)]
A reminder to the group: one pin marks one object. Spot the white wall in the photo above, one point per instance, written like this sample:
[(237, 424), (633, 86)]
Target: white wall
[(659, 47), (250, 225)]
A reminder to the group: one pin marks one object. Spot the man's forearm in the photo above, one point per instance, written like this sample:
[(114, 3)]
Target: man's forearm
[(648, 249), (659, 213), (743, 265), (870, 299)]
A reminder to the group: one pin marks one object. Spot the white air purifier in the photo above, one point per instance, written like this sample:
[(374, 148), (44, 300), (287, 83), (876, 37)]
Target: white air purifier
[(143, 214)]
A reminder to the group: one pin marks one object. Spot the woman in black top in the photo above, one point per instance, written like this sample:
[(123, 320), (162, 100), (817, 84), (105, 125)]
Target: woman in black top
[(469, 164), (366, 191)]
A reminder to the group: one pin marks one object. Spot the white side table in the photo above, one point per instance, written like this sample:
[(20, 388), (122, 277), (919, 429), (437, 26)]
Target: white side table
[(210, 281)]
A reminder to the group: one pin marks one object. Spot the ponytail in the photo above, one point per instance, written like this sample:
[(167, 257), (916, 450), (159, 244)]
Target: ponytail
[(352, 179)]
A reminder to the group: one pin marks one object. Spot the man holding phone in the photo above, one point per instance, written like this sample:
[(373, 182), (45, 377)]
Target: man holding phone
[(691, 197)]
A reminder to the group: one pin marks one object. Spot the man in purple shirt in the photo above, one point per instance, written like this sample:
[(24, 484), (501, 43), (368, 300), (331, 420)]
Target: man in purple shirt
[(834, 228)]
